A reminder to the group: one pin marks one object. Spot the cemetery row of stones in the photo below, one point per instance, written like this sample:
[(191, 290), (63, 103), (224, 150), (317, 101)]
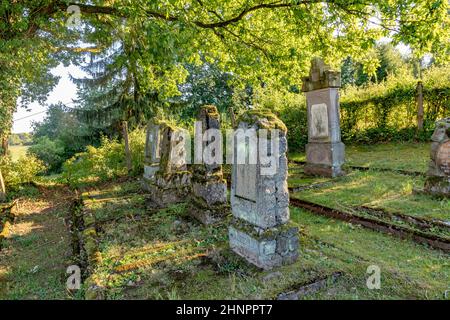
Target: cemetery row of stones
[(260, 230)]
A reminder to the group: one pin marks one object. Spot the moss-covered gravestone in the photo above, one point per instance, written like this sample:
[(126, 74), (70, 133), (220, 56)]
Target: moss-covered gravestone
[(260, 231), (325, 152), (171, 182), (438, 175), (209, 189)]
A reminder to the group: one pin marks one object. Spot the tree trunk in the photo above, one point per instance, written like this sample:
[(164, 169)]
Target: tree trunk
[(420, 110), (232, 117), (3, 153), (127, 146), (2, 188), (5, 145)]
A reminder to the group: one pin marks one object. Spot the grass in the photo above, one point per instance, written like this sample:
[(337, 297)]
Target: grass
[(398, 156), (18, 151), (166, 255), (388, 190), (37, 252)]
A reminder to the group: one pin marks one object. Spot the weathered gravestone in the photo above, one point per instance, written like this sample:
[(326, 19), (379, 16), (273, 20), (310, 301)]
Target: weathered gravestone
[(209, 199), (152, 151), (325, 152), (168, 180), (438, 175), (260, 231)]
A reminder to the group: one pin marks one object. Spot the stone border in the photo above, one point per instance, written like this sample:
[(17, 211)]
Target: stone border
[(85, 246)]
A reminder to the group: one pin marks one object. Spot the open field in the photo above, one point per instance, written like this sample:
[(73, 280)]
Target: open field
[(18, 151)]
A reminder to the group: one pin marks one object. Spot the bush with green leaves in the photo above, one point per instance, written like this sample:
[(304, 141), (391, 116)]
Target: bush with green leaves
[(50, 152), (22, 171), (106, 161)]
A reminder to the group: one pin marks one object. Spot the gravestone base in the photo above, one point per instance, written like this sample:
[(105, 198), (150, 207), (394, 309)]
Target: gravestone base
[(438, 186), (325, 159), (150, 171), (167, 190), (209, 202), (266, 249)]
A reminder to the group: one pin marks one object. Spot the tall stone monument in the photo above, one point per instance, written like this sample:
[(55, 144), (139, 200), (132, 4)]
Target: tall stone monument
[(438, 175), (209, 199), (260, 231), (167, 181), (325, 152)]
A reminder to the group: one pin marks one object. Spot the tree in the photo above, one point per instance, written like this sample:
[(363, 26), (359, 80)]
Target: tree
[(205, 84), (165, 35), (67, 135)]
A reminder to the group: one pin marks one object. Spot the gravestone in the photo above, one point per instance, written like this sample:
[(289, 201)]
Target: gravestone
[(325, 152), (152, 151), (438, 175), (170, 183), (260, 231), (209, 199)]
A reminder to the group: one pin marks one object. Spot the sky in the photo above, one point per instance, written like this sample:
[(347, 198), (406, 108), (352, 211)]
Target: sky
[(64, 92)]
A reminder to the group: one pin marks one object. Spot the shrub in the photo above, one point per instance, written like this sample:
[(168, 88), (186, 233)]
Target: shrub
[(291, 109), (51, 152), (106, 161), (21, 171)]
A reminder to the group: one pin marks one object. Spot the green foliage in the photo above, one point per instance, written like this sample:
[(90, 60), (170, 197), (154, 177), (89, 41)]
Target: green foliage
[(63, 134), (371, 114), (22, 171), (106, 161), (387, 111), (50, 152), (20, 139), (206, 84), (382, 61)]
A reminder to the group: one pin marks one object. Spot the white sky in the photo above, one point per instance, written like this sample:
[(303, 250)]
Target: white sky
[(64, 92)]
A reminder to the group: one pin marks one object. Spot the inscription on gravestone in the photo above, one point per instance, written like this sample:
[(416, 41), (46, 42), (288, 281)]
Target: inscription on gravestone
[(152, 151), (319, 120), (246, 175), (260, 231)]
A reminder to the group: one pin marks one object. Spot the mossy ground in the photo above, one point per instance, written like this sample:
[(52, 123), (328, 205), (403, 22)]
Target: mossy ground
[(37, 253), (167, 255)]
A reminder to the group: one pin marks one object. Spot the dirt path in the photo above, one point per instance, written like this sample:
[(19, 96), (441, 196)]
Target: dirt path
[(37, 252)]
